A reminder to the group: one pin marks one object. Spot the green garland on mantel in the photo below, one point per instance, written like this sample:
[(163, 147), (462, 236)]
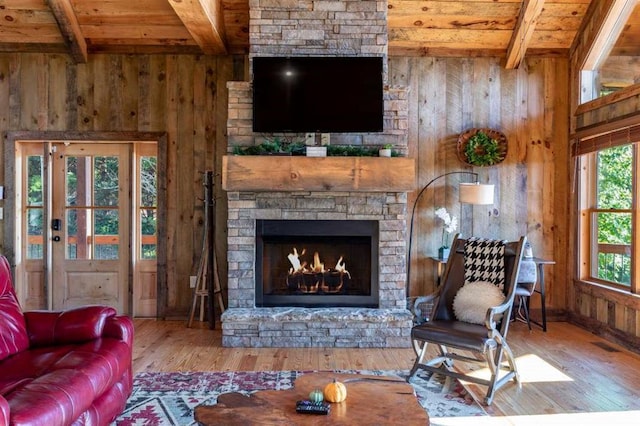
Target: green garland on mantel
[(277, 147)]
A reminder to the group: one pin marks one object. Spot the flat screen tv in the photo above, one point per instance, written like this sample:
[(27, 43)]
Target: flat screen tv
[(317, 94)]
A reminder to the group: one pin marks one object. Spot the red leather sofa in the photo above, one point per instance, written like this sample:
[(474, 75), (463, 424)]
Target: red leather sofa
[(61, 368)]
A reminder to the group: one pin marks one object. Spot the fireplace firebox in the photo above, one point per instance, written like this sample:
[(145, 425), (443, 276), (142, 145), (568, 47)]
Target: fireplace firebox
[(317, 263)]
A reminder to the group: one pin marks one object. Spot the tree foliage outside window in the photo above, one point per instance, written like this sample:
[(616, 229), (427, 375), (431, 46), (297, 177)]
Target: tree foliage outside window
[(615, 192), (148, 203), (34, 208)]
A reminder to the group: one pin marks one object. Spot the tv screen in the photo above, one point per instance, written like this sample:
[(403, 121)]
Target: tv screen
[(317, 94)]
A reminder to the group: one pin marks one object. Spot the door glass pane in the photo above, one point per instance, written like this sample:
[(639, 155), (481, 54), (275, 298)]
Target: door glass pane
[(148, 179), (34, 233), (34, 177), (106, 234), (78, 181), (92, 182), (148, 240), (78, 245), (34, 211), (105, 177), (148, 203)]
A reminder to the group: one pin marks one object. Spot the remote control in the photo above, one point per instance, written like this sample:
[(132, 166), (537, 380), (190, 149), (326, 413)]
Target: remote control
[(308, 407)]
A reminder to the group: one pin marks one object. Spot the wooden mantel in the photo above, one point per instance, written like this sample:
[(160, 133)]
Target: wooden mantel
[(276, 173)]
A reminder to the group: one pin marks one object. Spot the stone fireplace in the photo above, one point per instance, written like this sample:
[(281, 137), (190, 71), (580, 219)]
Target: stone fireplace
[(245, 324), (263, 191)]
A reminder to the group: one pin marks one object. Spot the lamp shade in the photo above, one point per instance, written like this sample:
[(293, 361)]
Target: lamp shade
[(476, 193)]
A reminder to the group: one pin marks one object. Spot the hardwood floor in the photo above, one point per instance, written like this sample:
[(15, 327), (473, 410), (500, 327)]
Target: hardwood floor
[(569, 376)]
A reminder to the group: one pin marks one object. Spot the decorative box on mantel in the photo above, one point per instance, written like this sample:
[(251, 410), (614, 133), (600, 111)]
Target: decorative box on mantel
[(264, 173)]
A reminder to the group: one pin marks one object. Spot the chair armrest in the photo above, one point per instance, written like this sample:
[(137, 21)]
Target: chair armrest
[(76, 325), (4, 411), (415, 306), (492, 313)]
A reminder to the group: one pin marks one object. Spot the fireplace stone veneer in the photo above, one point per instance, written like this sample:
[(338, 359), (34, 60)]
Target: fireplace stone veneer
[(318, 28), (245, 325)]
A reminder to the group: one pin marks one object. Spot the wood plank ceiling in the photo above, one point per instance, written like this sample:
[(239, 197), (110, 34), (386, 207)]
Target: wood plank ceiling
[(505, 28)]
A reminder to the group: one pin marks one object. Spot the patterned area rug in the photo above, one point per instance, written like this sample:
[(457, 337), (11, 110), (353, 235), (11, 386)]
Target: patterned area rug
[(169, 398)]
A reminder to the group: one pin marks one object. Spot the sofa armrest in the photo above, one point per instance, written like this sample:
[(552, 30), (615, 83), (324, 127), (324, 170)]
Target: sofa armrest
[(4, 411), (119, 327), (71, 326)]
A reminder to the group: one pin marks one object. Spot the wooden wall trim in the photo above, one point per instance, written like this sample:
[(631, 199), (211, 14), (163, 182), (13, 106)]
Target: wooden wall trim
[(601, 329), (132, 136), (620, 297), (608, 100)]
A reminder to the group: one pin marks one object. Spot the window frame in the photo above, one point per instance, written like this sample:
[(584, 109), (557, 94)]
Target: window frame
[(588, 241)]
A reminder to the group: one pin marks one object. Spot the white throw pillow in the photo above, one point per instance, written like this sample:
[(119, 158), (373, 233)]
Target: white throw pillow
[(473, 300)]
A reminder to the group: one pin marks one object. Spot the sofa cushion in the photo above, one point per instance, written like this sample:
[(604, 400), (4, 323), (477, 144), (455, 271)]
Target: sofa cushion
[(13, 332)]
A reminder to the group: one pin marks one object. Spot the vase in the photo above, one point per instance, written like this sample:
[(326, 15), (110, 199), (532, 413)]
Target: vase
[(443, 252)]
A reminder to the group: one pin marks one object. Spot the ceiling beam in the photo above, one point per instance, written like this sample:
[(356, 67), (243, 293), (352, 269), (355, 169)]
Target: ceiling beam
[(203, 19), (523, 32), (70, 29)]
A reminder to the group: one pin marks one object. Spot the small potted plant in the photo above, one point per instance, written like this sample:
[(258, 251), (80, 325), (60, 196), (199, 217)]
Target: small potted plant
[(450, 225), (385, 151)]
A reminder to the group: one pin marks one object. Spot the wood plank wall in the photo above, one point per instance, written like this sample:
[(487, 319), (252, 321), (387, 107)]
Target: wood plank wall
[(530, 106), (184, 96)]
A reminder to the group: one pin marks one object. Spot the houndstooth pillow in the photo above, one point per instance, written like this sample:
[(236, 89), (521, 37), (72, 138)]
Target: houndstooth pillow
[(484, 261)]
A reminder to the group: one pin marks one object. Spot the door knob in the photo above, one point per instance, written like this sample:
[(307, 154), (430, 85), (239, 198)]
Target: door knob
[(56, 238)]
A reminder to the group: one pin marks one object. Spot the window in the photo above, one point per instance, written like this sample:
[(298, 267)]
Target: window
[(615, 62), (608, 216), (612, 215)]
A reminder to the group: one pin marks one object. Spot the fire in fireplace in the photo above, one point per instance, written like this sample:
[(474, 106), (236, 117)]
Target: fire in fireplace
[(316, 263)]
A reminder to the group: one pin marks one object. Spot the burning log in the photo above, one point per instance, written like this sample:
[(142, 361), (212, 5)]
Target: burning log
[(333, 279), (312, 278)]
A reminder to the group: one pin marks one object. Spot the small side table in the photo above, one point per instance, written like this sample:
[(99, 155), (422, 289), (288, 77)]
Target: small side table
[(440, 264), (541, 289)]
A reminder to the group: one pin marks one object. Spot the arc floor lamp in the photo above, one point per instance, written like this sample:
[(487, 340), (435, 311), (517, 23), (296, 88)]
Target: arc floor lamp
[(470, 193)]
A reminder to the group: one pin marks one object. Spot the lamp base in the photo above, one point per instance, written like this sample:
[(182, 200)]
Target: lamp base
[(443, 253)]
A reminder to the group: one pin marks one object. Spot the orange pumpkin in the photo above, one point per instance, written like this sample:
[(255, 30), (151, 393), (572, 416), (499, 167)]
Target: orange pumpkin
[(335, 391)]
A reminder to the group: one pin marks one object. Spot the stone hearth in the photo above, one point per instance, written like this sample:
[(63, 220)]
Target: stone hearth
[(319, 327)]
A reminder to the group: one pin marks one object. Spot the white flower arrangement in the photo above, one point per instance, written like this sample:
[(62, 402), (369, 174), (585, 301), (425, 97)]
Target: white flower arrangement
[(450, 225)]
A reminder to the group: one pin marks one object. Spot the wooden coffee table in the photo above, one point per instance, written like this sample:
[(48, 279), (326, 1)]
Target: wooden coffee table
[(371, 400)]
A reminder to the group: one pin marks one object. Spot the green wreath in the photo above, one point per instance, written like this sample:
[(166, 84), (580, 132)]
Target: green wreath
[(482, 150)]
